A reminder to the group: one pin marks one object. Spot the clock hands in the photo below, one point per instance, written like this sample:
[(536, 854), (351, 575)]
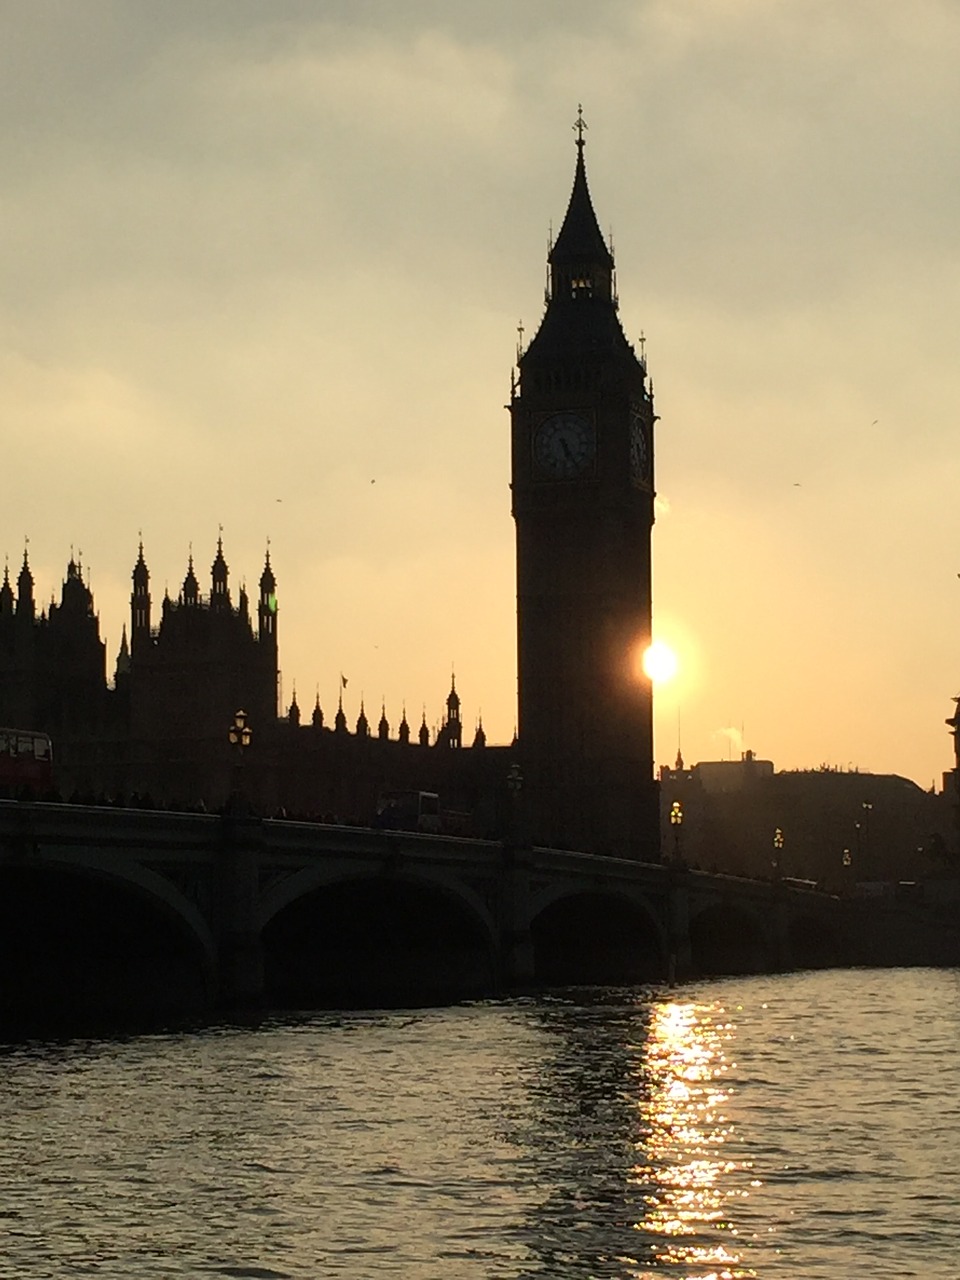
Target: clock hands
[(563, 445)]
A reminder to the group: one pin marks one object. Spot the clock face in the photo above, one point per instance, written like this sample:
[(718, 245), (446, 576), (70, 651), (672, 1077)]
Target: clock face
[(564, 446), (639, 449)]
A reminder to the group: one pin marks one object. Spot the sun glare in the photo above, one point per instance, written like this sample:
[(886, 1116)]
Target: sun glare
[(660, 662)]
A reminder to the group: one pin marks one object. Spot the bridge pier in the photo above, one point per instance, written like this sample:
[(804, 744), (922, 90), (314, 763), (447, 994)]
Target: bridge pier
[(239, 943), (783, 948), (516, 962), (679, 950)]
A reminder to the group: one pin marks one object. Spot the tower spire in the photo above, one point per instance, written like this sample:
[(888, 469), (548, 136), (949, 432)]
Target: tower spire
[(579, 259)]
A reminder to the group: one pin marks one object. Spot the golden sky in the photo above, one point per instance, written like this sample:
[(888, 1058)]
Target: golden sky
[(263, 264)]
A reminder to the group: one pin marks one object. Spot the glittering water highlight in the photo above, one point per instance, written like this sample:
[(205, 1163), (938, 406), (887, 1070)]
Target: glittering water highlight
[(797, 1126)]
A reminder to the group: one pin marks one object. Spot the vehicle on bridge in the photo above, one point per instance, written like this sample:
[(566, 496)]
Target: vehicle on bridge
[(408, 811), (801, 882), (26, 763)]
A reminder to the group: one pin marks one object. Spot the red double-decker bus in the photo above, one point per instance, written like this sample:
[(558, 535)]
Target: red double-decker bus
[(26, 763)]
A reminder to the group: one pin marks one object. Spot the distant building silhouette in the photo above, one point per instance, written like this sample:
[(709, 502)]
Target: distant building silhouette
[(838, 828)]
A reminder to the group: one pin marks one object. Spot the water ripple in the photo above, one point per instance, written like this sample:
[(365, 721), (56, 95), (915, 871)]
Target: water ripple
[(790, 1126)]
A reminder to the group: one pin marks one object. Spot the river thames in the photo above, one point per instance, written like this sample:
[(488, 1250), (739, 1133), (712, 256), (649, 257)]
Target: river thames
[(803, 1126)]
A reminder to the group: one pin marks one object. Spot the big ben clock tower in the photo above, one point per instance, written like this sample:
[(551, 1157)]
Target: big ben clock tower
[(582, 467)]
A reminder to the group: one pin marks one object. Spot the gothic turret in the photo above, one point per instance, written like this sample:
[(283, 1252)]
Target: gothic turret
[(267, 607), (363, 724), (26, 609), (75, 597), (452, 733), (317, 717), (191, 587), (383, 728), (123, 659), (219, 593), (140, 603), (6, 595)]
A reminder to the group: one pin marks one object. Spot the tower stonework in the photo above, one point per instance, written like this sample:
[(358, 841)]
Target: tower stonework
[(583, 488)]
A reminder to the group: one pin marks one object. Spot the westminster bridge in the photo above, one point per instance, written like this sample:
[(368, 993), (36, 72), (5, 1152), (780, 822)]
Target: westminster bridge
[(125, 909)]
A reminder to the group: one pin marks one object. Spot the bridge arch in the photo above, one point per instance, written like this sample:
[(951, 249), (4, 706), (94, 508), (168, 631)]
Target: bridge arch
[(587, 934), (813, 940), (350, 936), (83, 938), (732, 937)]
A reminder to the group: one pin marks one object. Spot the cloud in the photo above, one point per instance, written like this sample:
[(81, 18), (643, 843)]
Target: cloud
[(277, 250)]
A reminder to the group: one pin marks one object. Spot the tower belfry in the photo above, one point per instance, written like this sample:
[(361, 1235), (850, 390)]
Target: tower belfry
[(582, 472)]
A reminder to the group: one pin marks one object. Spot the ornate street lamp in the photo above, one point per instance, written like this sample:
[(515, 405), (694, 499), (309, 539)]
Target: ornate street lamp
[(514, 787), (240, 733), (866, 870), (676, 822), (846, 870), (777, 852)]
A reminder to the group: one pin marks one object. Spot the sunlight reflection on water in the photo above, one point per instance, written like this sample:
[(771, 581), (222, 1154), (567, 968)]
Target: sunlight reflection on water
[(796, 1126), (682, 1154)]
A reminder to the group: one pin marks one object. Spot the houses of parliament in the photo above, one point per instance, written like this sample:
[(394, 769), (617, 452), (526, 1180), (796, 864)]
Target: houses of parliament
[(582, 487), (159, 731)]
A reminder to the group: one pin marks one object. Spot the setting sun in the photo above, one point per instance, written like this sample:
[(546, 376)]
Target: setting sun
[(660, 662)]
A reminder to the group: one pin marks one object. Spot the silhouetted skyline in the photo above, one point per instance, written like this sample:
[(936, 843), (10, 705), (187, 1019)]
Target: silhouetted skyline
[(258, 259)]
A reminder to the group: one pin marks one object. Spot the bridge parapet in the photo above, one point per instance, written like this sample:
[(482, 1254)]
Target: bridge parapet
[(227, 877), (65, 826)]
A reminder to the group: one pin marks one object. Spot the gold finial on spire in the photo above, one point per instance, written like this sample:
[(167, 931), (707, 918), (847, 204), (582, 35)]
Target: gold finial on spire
[(580, 124)]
